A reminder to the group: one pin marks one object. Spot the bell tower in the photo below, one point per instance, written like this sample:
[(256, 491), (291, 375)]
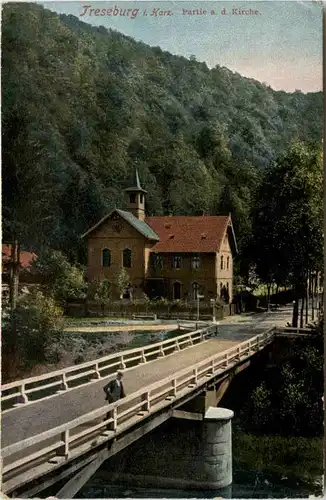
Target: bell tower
[(136, 199)]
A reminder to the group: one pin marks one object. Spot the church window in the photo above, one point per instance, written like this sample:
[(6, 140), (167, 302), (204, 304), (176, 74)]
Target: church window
[(106, 257), (127, 257)]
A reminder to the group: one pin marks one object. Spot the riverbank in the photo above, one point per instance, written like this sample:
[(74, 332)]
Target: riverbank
[(121, 328), (263, 467), (75, 347)]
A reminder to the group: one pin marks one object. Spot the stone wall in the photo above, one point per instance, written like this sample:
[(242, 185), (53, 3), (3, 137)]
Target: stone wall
[(186, 454)]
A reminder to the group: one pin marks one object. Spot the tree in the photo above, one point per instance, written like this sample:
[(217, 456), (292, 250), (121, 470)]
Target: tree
[(122, 281), (102, 293), (62, 280), (38, 321), (287, 238)]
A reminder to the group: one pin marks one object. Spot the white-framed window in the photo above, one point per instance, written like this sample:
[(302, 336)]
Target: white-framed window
[(222, 263), (194, 290), (195, 261), (176, 261)]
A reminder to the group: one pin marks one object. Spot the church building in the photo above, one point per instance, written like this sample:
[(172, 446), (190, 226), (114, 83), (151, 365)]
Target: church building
[(175, 257)]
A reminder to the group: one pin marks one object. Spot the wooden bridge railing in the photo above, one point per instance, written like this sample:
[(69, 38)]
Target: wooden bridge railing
[(42, 386), (32, 457), (297, 332)]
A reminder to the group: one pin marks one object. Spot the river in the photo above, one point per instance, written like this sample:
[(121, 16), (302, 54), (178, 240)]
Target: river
[(263, 467)]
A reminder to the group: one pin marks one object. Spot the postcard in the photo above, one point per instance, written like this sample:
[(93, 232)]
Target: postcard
[(162, 249)]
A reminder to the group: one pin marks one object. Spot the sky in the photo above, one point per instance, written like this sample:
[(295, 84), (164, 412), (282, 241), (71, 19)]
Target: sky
[(280, 45)]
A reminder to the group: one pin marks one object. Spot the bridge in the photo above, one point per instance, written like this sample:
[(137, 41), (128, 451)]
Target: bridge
[(58, 425)]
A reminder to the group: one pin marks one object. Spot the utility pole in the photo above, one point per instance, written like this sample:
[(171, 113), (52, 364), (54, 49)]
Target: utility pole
[(213, 306), (198, 297)]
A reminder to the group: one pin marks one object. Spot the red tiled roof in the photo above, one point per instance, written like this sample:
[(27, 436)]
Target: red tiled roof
[(26, 258), (189, 234)]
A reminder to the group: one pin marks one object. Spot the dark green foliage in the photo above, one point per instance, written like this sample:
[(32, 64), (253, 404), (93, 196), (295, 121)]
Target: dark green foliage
[(62, 280), (287, 456), (38, 321), (83, 106), (288, 399), (287, 238)]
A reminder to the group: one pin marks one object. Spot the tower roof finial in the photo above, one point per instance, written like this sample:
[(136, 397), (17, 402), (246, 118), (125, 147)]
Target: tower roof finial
[(137, 180), (137, 187)]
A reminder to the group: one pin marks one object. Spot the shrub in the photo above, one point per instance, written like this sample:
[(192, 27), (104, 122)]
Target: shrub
[(63, 281), (143, 300), (30, 334), (100, 291), (123, 281)]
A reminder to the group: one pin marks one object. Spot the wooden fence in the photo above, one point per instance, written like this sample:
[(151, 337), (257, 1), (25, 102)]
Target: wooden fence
[(42, 386), (169, 311), (39, 454), (296, 332)]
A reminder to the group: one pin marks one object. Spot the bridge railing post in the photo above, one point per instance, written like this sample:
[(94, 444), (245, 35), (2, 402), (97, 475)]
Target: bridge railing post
[(143, 357), (122, 363), (148, 401), (96, 372), (64, 384), (174, 382), (64, 450), (162, 353), (24, 397), (146, 406), (114, 415), (195, 371)]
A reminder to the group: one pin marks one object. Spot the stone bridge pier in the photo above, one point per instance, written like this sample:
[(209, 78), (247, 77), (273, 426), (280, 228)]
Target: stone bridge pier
[(192, 451)]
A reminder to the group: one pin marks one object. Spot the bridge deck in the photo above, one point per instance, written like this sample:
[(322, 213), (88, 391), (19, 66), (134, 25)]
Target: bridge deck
[(37, 417)]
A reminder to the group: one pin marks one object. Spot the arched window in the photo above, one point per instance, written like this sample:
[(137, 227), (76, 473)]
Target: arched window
[(222, 263), (176, 290), (127, 257), (227, 294), (132, 198), (195, 290), (106, 257), (227, 262)]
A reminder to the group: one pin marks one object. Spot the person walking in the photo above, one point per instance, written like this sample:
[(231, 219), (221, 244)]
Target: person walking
[(114, 390)]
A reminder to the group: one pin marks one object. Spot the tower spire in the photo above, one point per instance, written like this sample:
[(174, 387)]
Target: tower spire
[(136, 198), (137, 180)]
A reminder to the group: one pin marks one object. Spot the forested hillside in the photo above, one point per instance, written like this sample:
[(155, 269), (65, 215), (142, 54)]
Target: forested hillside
[(82, 106)]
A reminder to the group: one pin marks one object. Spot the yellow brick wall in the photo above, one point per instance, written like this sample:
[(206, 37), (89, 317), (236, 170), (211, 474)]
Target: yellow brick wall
[(116, 242)]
